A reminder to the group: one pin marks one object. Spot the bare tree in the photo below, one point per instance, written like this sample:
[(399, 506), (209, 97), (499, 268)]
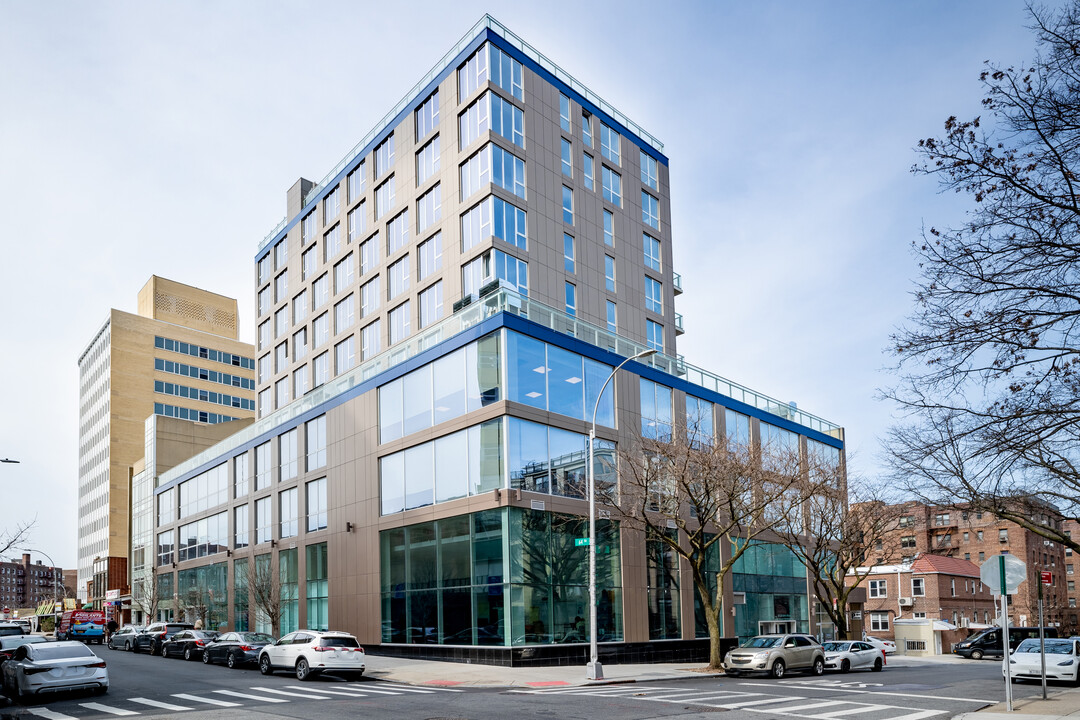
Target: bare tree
[(17, 537), (145, 594), (264, 589), (706, 503), (989, 360)]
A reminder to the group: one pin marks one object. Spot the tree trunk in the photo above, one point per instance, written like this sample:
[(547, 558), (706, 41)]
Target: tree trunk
[(713, 623)]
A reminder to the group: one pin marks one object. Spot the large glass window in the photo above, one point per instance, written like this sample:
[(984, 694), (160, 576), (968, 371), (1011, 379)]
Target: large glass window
[(779, 447), (571, 299), (204, 491), (427, 161), (262, 466), (550, 378), (650, 210), (491, 112), (397, 232), (320, 329), (316, 505), (554, 461), (654, 296), (166, 504), (663, 588), (263, 522), (610, 143), (495, 265), (612, 321), (315, 441), (287, 454), (399, 277), (290, 590), (344, 273), (699, 420), (609, 228), (612, 186), (589, 172), (331, 206), (400, 322), (371, 340), (370, 293), (567, 205), (288, 513), (369, 254), (609, 273), (241, 618), (427, 116), (493, 217), (492, 164), (357, 181), (490, 63), (649, 174), (430, 256), (431, 304), (384, 197), (384, 156), (345, 314), (567, 158), (345, 354), (241, 527), (654, 335), (564, 112), (655, 410), (652, 251), (317, 588), (429, 208), (240, 476), (204, 537), (320, 369), (165, 544)]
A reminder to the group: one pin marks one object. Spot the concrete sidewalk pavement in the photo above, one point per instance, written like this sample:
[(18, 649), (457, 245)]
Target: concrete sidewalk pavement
[(1059, 704)]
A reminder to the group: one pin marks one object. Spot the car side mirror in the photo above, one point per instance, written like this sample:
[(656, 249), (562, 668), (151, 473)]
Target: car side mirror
[(789, 644)]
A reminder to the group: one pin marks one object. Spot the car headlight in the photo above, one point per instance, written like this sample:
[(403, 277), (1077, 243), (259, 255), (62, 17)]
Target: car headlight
[(761, 656)]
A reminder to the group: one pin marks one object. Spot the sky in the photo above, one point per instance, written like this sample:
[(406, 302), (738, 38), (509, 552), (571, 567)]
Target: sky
[(146, 137)]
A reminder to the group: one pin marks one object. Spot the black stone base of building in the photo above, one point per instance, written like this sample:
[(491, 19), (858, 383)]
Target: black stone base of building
[(666, 651)]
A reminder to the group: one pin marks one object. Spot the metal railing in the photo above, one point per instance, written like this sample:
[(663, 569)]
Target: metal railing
[(676, 282)]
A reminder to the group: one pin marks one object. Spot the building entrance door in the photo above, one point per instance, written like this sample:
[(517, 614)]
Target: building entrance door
[(771, 627)]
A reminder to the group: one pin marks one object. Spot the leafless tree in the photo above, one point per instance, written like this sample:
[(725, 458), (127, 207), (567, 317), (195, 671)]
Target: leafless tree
[(17, 537), (989, 360), (264, 589), (145, 594), (706, 502)]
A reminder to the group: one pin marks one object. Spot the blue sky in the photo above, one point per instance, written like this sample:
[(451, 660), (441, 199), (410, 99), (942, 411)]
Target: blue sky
[(143, 138)]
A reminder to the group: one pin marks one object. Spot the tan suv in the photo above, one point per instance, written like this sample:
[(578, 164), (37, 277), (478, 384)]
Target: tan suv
[(775, 655)]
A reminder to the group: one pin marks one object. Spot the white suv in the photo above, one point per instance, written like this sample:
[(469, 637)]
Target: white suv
[(310, 652)]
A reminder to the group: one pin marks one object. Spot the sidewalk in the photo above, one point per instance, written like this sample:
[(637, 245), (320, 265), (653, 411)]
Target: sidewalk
[(1058, 704)]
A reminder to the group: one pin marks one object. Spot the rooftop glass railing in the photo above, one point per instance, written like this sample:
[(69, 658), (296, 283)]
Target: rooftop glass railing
[(678, 323), (676, 282), (486, 23)]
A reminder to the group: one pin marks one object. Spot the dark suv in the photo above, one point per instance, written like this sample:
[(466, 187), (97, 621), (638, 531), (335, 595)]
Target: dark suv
[(153, 636)]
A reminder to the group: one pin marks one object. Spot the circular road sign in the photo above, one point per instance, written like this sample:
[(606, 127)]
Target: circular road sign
[(1015, 573)]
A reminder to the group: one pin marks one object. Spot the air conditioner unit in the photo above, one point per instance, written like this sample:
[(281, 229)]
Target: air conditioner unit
[(462, 302), (906, 602)]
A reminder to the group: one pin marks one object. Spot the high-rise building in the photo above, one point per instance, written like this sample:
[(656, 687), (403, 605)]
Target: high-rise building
[(179, 356), (437, 319)]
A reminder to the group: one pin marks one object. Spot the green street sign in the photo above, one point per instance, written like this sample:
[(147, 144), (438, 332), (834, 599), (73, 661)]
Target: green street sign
[(581, 542)]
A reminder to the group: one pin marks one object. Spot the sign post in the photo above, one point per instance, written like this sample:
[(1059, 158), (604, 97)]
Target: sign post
[(1046, 578), (1003, 575)]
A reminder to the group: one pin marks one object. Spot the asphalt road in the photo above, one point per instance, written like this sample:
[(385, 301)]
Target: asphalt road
[(144, 686)]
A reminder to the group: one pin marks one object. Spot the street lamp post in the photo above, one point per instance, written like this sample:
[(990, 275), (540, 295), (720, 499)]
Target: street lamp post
[(594, 670)]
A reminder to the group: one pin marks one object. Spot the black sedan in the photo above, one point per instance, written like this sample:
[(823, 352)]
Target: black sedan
[(188, 644), (236, 648)]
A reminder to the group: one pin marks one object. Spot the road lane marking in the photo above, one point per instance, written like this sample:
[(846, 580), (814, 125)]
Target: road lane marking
[(49, 714), (324, 691), (426, 689), (862, 707), (210, 701), (233, 693), (306, 696), (107, 709), (922, 714), (793, 708), (698, 698), (160, 705), (877, 692), (365, 690)]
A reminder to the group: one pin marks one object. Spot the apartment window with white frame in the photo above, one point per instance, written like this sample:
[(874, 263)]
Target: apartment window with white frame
[(345, 314), (369, 296), (430, 254), (357, 222), (264, 335), (281, 322), (427, 116), (281, 286), (281, 254), (612, 186), (281, 393), (571, 299), (331, 243), (300, 382), (878, 588), (588, 172), (241, 534), (331, 206), (567, 158), (384, 198), (369, 254), (309, 228), (299, 344), (609, 228), (397, 232), (429, 208), (371, 340), (567, 205), (609, 273), (879, 621), (344, 274), (649, 174), (564, 112), (263, 527), (399, 323), (654, 335), (568, 252), (586, 128), (427, 161), (654, 296), (490, 165), (315, 442), (300, 307), (384, 156), (612, 320), (264, 268), (431, 304), (316, 505), (345, 355), (321, 289), (288, 513), (650, 210), (320, 369), (320, 330), (357, 182), (308, 263), (610, 144), (491, 112), (399, 277), (918, 587), (281, 356)]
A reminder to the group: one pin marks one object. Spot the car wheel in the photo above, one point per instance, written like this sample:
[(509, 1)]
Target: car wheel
[(188, 655), (127, 645), (845, 666), (878, 665), (230, 660), (205, 657), (303, 671), (264, 666), (819, 667), (778, 669), (976, 654)]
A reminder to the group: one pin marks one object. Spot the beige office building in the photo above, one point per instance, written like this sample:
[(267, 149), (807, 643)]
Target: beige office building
[(179, 356)]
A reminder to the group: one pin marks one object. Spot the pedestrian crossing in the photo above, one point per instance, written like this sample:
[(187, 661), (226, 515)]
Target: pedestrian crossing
[(798, 706), (257, 695)]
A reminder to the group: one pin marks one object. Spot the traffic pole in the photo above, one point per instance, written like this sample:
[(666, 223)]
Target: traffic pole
[(1005, 635), (1042, 639)]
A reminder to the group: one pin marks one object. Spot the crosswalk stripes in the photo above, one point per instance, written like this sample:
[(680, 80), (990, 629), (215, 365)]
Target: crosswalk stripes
[(107, 709), (247, 696), (211, 701), (306, 696), (158, 704), (425, 689), (324, 691), (50, 714)]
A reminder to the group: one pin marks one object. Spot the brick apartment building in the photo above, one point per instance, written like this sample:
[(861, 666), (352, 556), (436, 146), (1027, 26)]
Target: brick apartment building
[(953, 531), (24, 584)]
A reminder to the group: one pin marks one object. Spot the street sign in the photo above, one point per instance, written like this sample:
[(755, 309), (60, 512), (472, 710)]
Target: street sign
[(1047, 577), (1015, 571), (581, 542)]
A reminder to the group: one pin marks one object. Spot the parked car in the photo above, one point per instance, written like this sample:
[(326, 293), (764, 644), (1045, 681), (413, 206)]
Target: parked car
[(85, 625), (24, 624), (1062, 660), (187, 644), (775, 655), (886, 646), (124, 638), (236, 648), (151, 639), (10, 643), (11, 628), (310, 652), (50, 667), (853, 655), (988, 642)]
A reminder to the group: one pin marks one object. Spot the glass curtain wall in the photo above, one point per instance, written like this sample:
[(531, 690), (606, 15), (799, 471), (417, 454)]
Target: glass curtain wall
[(241, 618), (290, 603), (318, 594), (202, 596), (775, 585), (663, 581)]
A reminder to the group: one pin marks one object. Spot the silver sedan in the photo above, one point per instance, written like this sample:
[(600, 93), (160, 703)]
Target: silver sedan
[(853, 655), (53, 667)]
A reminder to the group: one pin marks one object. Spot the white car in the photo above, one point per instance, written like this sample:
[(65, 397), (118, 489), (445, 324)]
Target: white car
[(311, 652), (847, 655), (49, 667), (886, 646), (1062, 660)]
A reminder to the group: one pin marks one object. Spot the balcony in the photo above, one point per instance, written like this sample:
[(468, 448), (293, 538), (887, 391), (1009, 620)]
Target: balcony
[(678, 324), (676, 283)]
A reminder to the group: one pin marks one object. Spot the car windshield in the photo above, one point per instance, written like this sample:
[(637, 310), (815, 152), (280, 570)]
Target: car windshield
[(50, 651), (836, 647), (762, 642), (14, 642), (1053, 647), (205, 634), (339, 642), (11, 630), (253, 637)]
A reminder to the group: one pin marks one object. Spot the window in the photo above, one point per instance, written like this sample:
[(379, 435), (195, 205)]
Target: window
[(878, 589), (331, 206), (289, 513), (586, 128), (317, 587), (979, 535), (309, 226), (654, 335), (431, 304), (571, 299), (430, 254), (315, 442), (567, 158), (384, 156), (492, 164), (369, 255), (609, 273), (429, 208), (567, 205), (490, 63), (907, 521), (357, 182), (941, 519), (491, 112), (321, 369), (262, 466), (427, 116), (241, 534), (300, 344), (907, 541), (399, 277), (287, 454), (321, 289), (568, 253), (650, 210), (589, 172), (281, 322), (281, 356), (300, 382), (918, 587), (427, 161), (966, 536), (240, 478), (399, 323), (652, 252), (1069, 569), (369, 296), (316, 505), (371, 340), (331, 243), (345, 355), (564, 112), (612, 324), (281, 286), (262, 520), (397, 232), (264, 335), (320, 329), (649, 175), (495, 265), (264, 301), (307, 263), (1003, 535), (299, 307), (344, 274), (610, 144), (982, 556), (612, 186), (654, 296), (384, 197), (281, 254), (357, 222), (656, 411), (609, 228), (264, 269), (344, 314), (493, 217)]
